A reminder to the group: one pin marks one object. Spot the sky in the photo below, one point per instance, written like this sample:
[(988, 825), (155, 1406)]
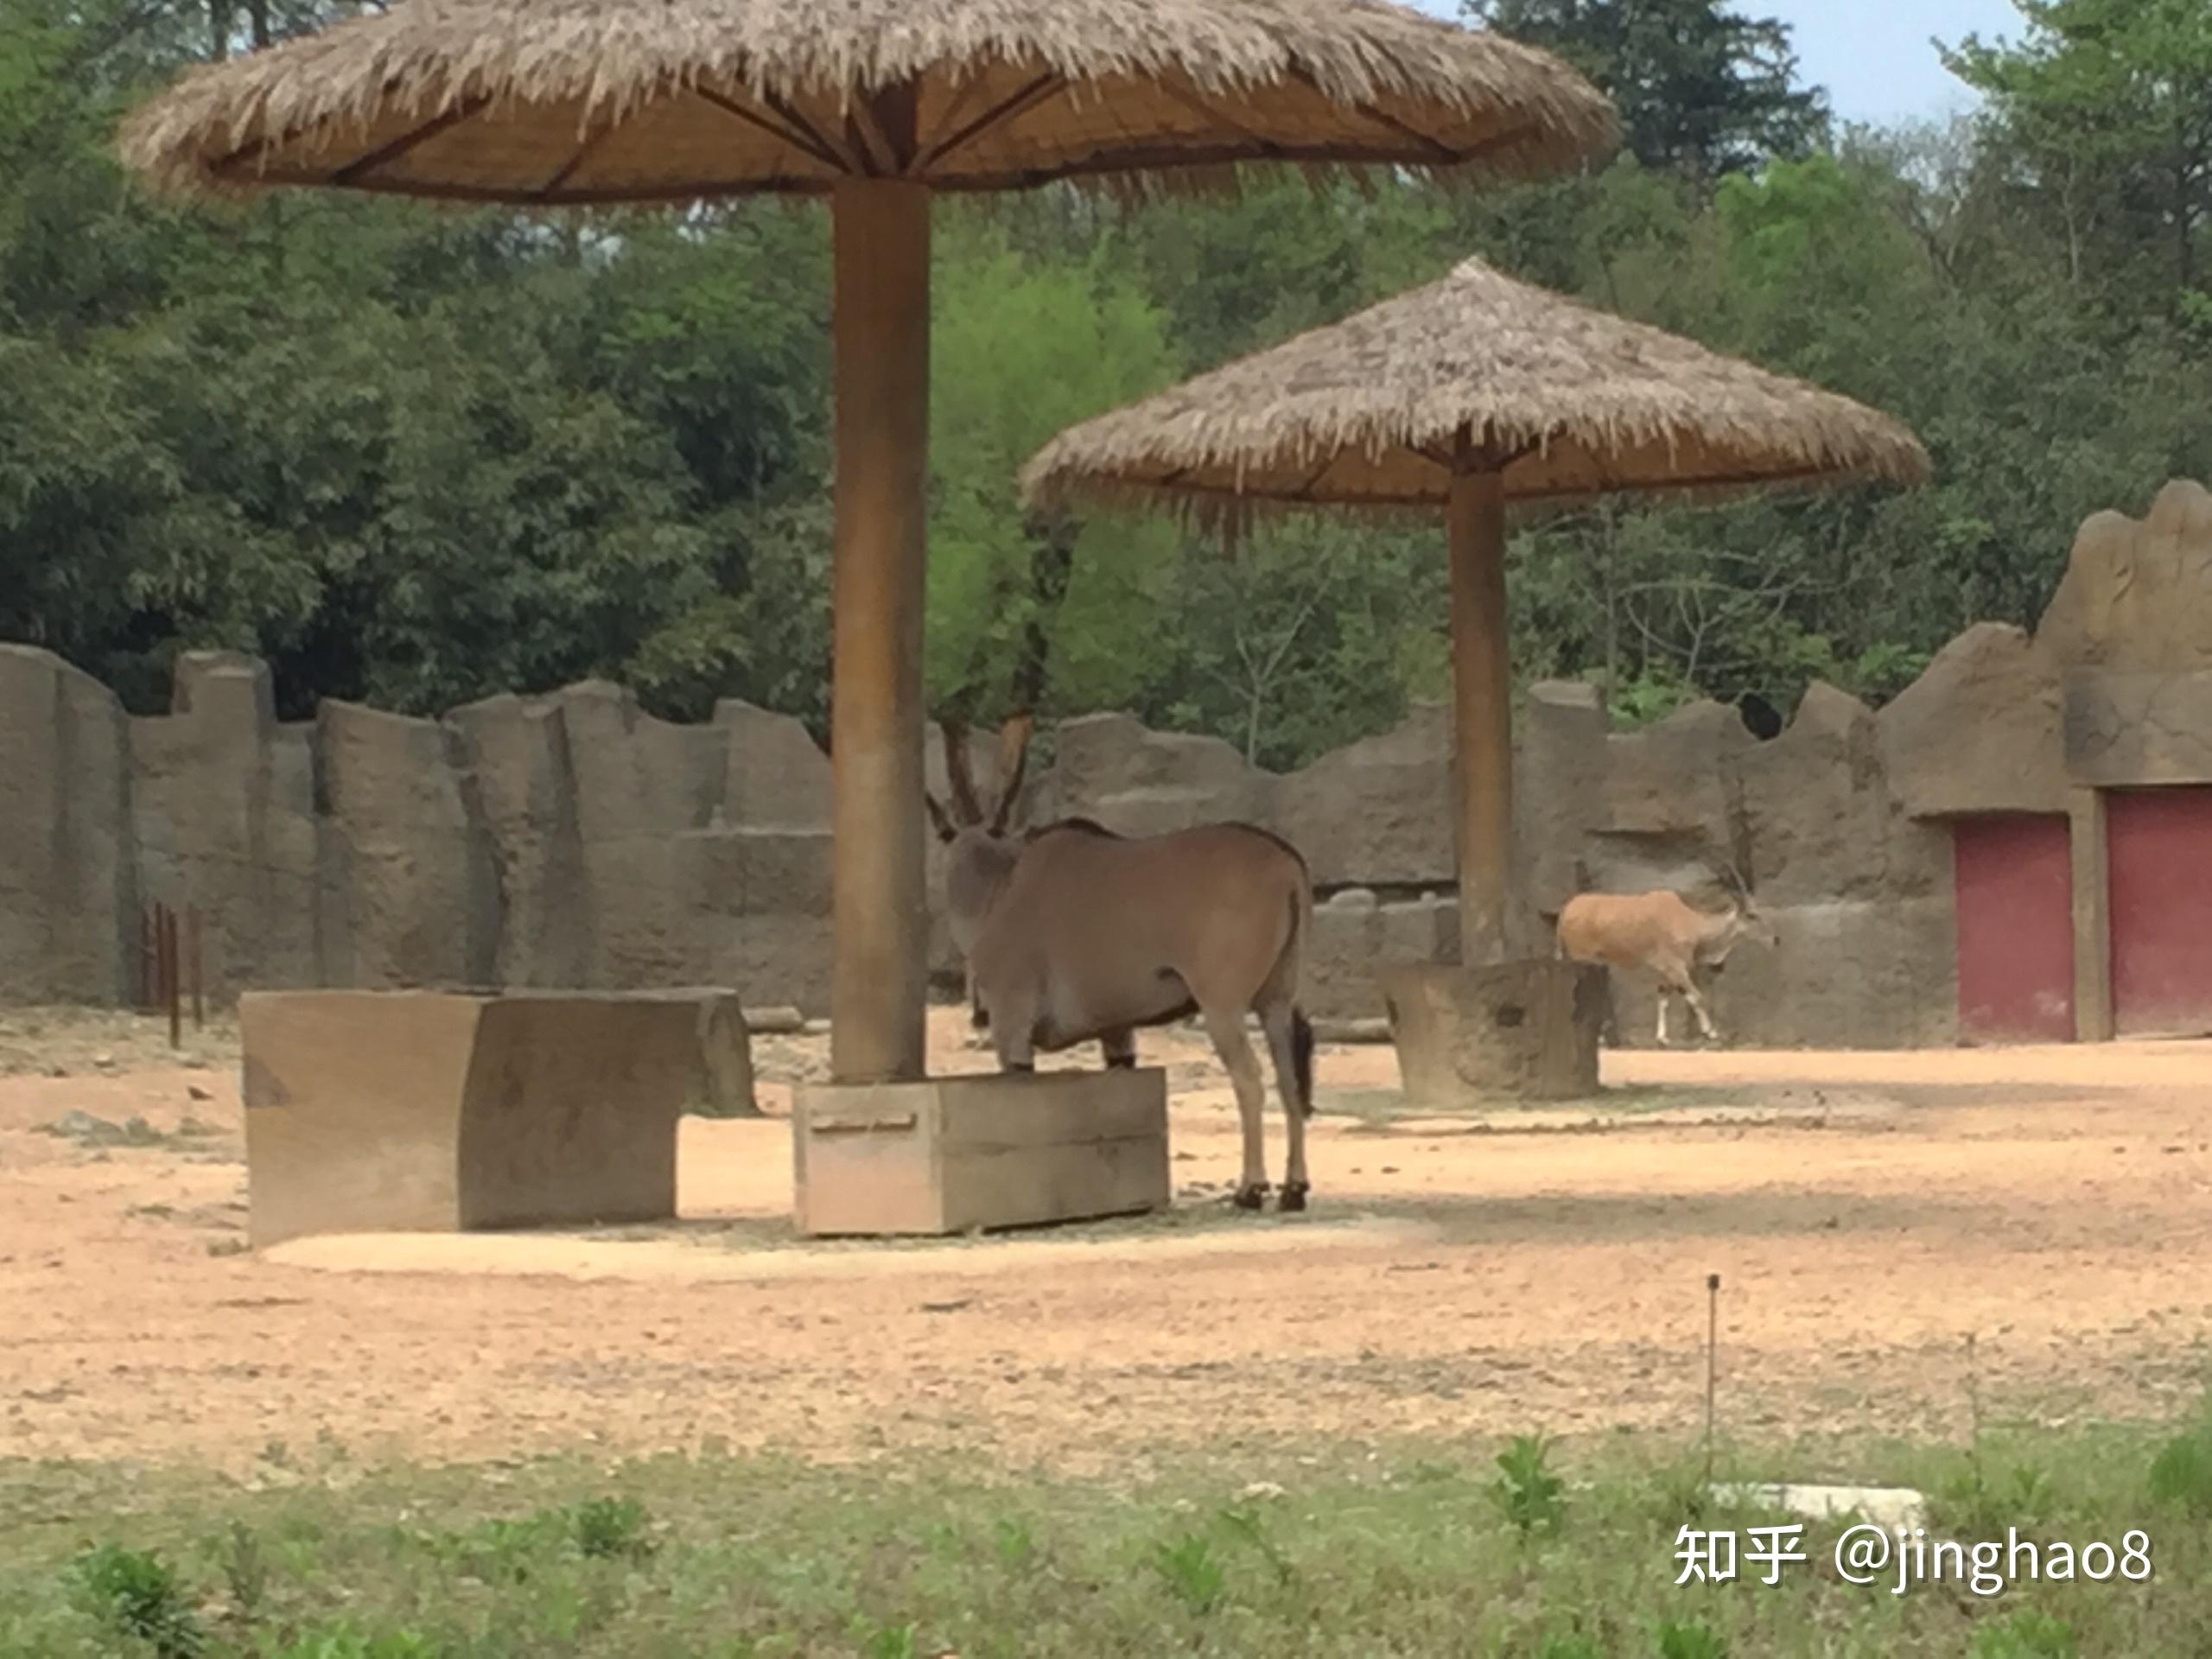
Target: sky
[(1874, 56)]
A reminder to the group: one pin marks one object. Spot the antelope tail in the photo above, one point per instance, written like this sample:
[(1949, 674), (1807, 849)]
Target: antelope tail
[(1301, 1028), (1302, 1059)]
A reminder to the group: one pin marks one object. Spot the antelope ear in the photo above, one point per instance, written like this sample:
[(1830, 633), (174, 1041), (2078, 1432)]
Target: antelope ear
[(1013, 762), (943, 826)]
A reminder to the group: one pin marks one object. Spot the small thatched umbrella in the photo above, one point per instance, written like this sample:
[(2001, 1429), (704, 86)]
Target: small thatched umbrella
[(874, 104), (1466, 396)]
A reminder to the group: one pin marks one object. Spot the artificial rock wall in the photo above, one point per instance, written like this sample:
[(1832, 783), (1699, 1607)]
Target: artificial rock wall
[(573, 841)]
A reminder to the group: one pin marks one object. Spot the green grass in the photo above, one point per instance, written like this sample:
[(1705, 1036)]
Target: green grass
[(1521, 1549)]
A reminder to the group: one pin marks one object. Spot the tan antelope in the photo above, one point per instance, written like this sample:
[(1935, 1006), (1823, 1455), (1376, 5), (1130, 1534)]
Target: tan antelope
[(1661, 934), (1079, 935)]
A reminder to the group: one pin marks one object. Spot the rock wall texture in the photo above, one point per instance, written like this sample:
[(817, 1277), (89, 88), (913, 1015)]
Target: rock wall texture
[(573, 840)]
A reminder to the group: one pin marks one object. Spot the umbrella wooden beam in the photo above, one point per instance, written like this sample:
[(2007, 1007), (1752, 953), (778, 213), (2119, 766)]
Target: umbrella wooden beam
[(879, 992), (1482, 681)]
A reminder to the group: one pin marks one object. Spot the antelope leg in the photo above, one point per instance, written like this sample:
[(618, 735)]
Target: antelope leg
[(1013, 1033), (1227, 1031), (1280, 1047), (1696, 1000)]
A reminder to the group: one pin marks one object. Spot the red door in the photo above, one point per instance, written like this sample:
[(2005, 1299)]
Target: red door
[(2160, 845), (2016, 928)]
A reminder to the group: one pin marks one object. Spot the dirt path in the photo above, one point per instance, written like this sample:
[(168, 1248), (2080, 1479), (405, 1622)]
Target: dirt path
[(1868, 1212)]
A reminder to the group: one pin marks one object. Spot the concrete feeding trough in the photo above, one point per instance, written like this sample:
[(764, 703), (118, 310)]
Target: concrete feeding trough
[(955, 1155), (1519, 1030), (440, 1111)]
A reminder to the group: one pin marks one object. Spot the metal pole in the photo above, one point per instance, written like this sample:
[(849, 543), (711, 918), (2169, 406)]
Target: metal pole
[(1482, 676), (879, 992)]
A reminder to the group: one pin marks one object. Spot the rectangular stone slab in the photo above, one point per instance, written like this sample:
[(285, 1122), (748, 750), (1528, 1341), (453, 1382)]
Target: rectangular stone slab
[(426, 1111), (1518, 1031), (955, 1154)]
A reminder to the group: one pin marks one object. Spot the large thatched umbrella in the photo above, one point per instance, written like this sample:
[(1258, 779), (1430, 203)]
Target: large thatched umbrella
[(874, 104), (1466, 396)]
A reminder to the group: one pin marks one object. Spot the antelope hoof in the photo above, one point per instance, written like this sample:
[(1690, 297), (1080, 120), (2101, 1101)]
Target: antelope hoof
[(1253, 1195), (1293, 1196)]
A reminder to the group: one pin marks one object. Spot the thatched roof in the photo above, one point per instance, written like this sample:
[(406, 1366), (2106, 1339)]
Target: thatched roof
[(1372, 412), (594, 101)]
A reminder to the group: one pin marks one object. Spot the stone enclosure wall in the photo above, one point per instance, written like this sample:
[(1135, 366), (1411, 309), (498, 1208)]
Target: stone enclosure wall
[(573, 841)]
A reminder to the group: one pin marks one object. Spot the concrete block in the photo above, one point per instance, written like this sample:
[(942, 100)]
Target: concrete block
[(412, 1111), (952, 1154), (1518, 1031)]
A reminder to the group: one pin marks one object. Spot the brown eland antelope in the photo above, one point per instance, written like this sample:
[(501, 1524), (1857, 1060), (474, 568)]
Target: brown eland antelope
[(1080, 935), (1661, 934), (981, 854)]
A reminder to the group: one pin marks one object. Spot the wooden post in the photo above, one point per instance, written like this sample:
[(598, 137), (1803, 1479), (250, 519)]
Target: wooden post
[(1482, 678), (878, 990), (196, 966), (148, 968), (167, 924), (2092, 1003)]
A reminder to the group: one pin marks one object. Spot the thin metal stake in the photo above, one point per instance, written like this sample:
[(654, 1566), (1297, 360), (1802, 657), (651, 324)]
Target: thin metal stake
[(169, 975), (1711, 1363)]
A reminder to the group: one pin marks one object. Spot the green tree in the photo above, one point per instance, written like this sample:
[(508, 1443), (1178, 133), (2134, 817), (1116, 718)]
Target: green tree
[(1702, 89), (1017, 614), (2106, 108)]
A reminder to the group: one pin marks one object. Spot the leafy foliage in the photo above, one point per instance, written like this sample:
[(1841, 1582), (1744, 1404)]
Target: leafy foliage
[(415, 457), (2026, 1635), (1700, 86), (1191, 1572), (1529, 1495), (139, 1597), (2181, 1473)]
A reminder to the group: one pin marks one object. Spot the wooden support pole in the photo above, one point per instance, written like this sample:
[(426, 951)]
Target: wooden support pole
[(165, 923), (195, 966), (2092, 1003), (878, 990), (1482, 678), (148, 968)]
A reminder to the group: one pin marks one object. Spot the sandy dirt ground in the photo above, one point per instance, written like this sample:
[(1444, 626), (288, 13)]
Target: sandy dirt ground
[(1869, 1213)]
